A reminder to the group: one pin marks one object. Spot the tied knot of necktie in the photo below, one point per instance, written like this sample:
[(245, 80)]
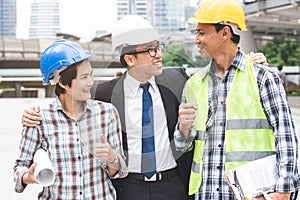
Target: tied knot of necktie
[(145, 86)]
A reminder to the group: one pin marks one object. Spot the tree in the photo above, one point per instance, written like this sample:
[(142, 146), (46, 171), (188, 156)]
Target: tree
[(180, 54), (281, 50)]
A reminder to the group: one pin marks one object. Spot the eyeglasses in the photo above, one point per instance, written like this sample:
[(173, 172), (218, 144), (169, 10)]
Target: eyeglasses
[(152, 51)]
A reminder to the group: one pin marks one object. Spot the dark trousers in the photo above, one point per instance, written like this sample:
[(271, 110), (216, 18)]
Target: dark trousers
[(134, 187), (294, 195)]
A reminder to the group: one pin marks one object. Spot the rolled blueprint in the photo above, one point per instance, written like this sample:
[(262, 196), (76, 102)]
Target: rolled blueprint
[(44, 172)]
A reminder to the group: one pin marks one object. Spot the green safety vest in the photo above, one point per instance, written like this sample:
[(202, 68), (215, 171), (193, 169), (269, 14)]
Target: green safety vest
[(248, 134)]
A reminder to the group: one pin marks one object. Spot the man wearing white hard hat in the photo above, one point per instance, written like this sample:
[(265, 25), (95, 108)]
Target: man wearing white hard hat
[(141, 53)]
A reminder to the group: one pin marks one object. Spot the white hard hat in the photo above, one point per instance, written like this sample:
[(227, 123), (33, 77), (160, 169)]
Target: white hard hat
[(132, 30)]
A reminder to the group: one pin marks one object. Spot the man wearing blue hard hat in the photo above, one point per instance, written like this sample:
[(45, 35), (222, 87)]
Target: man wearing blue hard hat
[(81, 136)]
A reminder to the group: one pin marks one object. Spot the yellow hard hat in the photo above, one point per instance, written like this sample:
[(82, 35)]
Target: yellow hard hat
[(220, 11)]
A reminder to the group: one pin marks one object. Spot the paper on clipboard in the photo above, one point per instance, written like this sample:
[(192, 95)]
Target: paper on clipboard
[(254, 178)]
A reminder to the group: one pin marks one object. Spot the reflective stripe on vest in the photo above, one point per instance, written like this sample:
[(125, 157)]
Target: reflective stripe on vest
[(248, 134), (200, 137), (248, 124), (201, 98)]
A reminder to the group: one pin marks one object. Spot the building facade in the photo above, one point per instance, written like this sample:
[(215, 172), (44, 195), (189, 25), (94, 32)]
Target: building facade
[(165, 15), (8, 18), (44, 19), (133, 7)]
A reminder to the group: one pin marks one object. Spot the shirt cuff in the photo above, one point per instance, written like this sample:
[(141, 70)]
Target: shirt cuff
[(20, 186), (122, 170), (287, 184), (182, 144)]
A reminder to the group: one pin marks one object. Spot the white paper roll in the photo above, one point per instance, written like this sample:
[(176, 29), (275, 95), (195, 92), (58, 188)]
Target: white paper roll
[(44, 172)]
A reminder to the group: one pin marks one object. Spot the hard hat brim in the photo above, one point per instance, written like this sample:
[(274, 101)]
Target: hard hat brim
[(135, 37)]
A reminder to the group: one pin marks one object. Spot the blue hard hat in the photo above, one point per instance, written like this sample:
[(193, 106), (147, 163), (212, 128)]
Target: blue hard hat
[(58, 56)]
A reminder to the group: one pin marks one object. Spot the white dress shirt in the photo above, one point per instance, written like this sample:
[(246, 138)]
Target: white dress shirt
[(133, 121)]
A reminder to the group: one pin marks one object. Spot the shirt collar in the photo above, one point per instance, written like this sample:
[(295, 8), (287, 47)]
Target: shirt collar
[(87, 105), (153, 84), (57, 104), (134, 84), (238, 62)]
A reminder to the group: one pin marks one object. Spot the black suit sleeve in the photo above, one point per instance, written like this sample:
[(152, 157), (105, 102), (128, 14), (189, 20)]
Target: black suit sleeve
[(103, 91)]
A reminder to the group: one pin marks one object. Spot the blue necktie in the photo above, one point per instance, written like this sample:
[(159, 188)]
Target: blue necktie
[(148, 147)]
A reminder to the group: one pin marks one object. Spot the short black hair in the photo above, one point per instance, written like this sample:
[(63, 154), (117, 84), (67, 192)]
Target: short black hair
[(235, 38), (126, 51), (122, 60), (67, 76)]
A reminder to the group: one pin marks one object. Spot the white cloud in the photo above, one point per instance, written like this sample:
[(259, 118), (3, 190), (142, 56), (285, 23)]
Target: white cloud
[(83, 18)]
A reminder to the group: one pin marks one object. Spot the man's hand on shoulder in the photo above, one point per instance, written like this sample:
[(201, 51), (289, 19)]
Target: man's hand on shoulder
[(31, 116), (259, 58)]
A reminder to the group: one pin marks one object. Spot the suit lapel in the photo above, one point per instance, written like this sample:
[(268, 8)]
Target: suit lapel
[(117, 99), (170, 87), (163, 86)]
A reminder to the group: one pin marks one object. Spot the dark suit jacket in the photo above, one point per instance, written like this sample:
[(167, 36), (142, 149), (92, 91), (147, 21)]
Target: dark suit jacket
[(170, 84)]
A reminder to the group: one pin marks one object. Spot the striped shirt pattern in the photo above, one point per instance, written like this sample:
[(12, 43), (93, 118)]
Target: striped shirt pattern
[(275, 105), (70, 145)]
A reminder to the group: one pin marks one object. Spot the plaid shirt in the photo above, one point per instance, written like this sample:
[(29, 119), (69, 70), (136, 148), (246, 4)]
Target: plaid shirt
[(275, 105), (70, 145)]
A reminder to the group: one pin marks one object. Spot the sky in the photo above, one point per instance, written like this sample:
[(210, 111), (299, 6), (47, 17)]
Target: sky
[(77, 17)]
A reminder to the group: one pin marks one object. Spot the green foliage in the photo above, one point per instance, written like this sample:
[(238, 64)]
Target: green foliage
[(180, 54), (5, 87), (201, 62), (292, 93), (280, 50), (177, 55)]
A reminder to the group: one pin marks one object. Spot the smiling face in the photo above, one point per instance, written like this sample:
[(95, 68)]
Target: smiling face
[(81, 85), (144, 63), (208, 40)]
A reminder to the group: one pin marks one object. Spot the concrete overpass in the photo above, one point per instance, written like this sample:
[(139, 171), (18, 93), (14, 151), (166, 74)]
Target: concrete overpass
[(273, 17), (19, 60), (268, 18)]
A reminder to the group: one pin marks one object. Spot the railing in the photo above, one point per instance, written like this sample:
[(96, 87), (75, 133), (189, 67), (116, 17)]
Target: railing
[(31, 49), (34, 75)]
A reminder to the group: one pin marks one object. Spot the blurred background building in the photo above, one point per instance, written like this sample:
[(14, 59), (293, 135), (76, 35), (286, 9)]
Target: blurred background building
[(44, 19), (166, 15), (8, 18)]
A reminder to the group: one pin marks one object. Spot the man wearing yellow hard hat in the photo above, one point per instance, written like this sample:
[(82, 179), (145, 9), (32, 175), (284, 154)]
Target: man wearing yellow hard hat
[(234, 111)]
